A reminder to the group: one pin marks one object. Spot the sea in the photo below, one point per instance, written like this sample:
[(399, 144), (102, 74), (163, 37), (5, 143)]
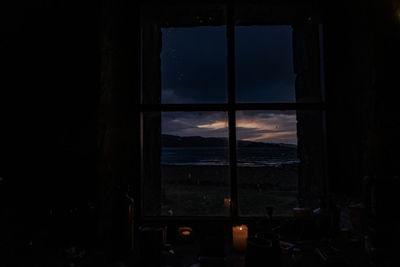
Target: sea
[(219, 156)]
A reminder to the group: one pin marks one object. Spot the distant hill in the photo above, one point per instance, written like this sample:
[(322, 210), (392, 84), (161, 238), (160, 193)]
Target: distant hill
[(198, 141)]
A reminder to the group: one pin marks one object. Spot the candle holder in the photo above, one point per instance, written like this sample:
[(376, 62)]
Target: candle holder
[(185, 234), (263, 250), (152, 241)]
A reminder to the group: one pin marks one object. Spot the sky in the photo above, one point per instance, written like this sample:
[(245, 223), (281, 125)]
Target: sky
[(193, 67), (258, 126)]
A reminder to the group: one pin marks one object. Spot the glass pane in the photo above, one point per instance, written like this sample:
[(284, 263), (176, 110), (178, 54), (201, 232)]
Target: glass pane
[(193, 165), (193, 65), (264, 64), (267, 162)]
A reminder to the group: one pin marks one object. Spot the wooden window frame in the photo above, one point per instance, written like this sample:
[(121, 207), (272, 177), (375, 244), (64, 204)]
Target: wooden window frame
[(290, 13)]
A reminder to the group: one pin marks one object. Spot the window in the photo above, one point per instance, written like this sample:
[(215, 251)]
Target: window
[(231, 110)]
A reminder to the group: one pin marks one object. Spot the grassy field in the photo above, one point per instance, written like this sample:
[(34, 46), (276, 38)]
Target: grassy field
[(201, 190)]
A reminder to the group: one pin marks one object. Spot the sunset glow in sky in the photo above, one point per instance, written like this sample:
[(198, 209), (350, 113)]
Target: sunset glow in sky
[(194, 71), (260, 126)]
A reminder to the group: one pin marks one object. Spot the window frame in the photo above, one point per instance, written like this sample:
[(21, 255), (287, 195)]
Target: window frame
[(291, 18)]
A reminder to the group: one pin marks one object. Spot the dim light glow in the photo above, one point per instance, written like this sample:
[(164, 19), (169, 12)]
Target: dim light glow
[(227, 202), (398, 14), (239, 235), (185, 231)]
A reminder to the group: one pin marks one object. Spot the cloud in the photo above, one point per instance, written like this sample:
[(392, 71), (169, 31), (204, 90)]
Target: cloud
[(267, 126), (206, 124), (194, 64), (214, 125), (170, 96), (262, 126), (273, 137)]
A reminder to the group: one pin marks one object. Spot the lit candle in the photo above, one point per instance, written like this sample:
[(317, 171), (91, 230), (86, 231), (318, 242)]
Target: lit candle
[(227, 202), (185, 232), (240, 234)]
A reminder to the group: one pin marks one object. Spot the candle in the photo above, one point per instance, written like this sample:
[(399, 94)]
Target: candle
[(227, 202), (185, 232), (239, 234)]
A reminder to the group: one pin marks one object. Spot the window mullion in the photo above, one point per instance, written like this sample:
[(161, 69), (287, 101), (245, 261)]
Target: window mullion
[(230, 32)]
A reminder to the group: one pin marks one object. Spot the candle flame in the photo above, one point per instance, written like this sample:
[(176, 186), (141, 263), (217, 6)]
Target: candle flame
[(186, 233), (240, 228), (227, 202)]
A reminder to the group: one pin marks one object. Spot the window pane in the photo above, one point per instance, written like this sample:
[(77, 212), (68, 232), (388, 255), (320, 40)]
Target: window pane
[(264, 64), (193, 165), (193, 65), (267, 162)]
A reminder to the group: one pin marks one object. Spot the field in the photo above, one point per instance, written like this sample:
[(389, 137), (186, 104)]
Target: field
[(193, 190)]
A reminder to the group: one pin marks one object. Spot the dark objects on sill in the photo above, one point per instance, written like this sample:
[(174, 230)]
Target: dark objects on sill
[(323, 222), (312, 240), (211, 261), (212, 245), (151, 249), (33, 254), (264, 249), (331, 256), (169, 258), (212, 241)]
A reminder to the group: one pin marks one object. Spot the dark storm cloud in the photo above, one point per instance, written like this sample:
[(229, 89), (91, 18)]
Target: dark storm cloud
[(264, 67), (194, 65), (192, 124)]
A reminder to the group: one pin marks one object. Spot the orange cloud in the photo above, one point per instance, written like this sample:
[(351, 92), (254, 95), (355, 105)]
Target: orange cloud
[(215, 125), (276, 128), (250, 124), (270, 135)]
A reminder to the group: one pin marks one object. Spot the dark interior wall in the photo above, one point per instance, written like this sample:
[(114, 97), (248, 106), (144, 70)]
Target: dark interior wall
[(361, 53), (67, 73), (388, 126), (362, 41), (387, 58), (50, 79), (62, 110), (118, 124), (349, 32)]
